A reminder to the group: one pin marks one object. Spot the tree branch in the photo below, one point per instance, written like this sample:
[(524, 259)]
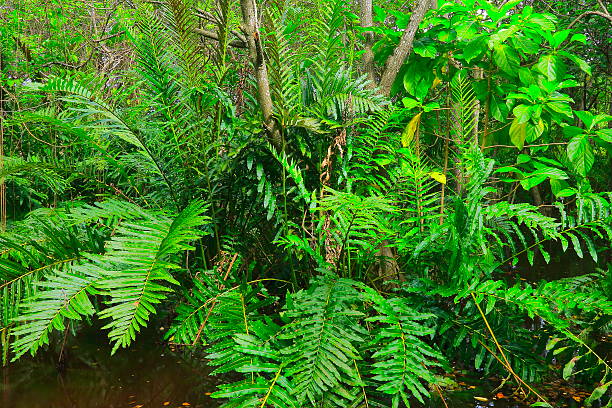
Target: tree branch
[(213, 36), (256, 54), (404, 48), (592, 12)]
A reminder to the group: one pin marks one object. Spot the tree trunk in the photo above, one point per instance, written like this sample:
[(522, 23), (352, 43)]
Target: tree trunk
[(403, 49), (365, 10), (250, 21)]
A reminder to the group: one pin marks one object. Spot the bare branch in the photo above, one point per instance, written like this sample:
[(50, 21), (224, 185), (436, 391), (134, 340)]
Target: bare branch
[(592, 12), (213, 36)]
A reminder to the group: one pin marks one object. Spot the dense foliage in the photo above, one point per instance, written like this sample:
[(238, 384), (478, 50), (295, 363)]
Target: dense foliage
[(328, 199)]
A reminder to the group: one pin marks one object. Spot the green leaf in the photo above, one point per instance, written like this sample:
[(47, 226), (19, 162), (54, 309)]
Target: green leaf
[(543, 21), (411, 129), (548, 66), (425, 50), (522, 113), (605, 135), (410, 103), (569, 368), (560, 107), (582, 64), (559, 37), (526, 76), (581, 154), (518, 133), (597, 393), (586, 118), (506, 59)]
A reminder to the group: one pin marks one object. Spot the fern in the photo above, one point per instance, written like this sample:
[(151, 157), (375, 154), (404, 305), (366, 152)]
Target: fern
[(324, 336), (105, 119), (180, 20), (141, 258), (64, 295), (404, 360), (132, 272)]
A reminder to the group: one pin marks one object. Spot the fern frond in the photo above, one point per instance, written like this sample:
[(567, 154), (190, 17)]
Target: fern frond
[(64, 295), (323, 336), (141, 257), (404, 360)]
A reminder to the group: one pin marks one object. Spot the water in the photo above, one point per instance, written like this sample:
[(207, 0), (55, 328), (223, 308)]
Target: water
[(146, 375), (150, 375)]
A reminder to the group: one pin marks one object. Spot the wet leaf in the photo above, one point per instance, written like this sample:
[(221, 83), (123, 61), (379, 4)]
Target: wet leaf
[(569, 368), (439, 177), (411, 129)]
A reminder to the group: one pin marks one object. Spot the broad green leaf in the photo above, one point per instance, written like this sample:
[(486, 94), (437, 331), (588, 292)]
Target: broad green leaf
[(506, 59), (526, 76), (534, 91), (543, 21), (571, 131), (548, 66), (525, 44), (474, 48), (410, 103), (580, 152), (425, 50), (586, 118), (558, 187), (579, 38), (534, 131), (518, 133), (522, 113), (560, 107), (447, 35), (559, 37), (523, 158), (431, 106), (582, 64), (605, 135)]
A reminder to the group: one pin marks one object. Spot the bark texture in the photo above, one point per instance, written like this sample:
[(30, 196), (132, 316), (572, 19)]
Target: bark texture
[(365, 11), (250, 22), (404, 48)]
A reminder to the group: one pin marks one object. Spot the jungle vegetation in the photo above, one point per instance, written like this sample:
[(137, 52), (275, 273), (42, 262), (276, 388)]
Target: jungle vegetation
[(328, 198)]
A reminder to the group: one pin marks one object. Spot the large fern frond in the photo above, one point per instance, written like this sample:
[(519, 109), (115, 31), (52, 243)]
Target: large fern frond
[(324, 335), (140, 257), (404, 361)]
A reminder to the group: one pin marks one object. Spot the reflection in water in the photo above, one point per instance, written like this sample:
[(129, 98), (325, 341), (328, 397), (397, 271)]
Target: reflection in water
[(146, 375)]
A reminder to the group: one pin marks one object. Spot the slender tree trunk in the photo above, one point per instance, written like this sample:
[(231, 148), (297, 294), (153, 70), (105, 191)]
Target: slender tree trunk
[(365, 9), (404, 48), (250, 21)]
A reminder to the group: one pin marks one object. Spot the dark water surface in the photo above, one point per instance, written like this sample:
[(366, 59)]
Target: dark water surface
[(146, 375)]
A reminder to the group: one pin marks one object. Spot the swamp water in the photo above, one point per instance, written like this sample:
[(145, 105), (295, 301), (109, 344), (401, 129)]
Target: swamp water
[(145, 375)]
